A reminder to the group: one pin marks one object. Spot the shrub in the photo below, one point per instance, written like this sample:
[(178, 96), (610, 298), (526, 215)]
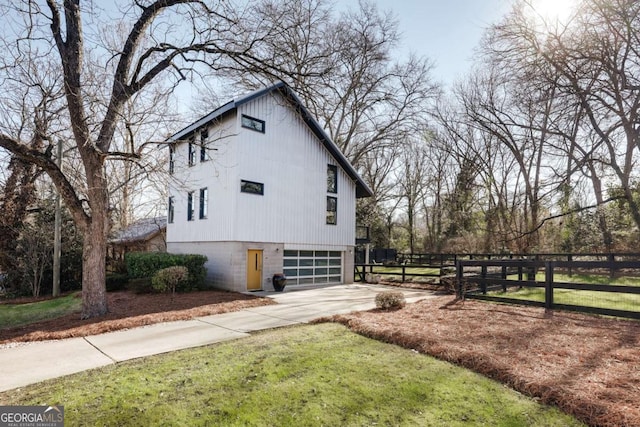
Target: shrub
[(147, 264), (168, 279), (390, 299), (116, 282)]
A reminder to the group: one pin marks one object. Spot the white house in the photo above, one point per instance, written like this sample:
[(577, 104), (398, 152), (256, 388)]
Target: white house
[(260, 189)]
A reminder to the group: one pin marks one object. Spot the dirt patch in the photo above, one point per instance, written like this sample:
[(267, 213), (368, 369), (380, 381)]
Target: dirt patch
[(128, 310), (586, 365)]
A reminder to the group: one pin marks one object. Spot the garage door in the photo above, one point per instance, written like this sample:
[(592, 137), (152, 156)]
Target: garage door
[(312, 267)]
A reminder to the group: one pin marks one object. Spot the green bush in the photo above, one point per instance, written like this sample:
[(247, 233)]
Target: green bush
[(390, 300), (147, 264), (169, 279), (116, 282)]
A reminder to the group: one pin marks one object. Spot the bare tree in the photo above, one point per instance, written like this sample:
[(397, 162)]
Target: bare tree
[(345, 72), (593, 62), (411, 179), (165, 39)]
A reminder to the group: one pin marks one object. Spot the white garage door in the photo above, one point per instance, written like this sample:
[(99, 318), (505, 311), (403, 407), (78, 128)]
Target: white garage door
[(312, 267)]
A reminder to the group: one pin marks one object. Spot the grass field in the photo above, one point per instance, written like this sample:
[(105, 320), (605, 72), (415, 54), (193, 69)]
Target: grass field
[(610, 300), (309, 375), (12, 315)]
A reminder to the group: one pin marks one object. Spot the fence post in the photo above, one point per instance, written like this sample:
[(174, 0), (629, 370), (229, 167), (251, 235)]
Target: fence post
[(548, 285), (403, 272), (570, 259), (483, 277), (504, 277), (459, 275), (612, 269)]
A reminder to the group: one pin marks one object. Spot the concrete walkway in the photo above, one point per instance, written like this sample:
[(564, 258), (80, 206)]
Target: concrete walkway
[(24, 364)]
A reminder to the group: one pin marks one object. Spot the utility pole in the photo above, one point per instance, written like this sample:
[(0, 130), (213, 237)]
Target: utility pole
[(57, 235)]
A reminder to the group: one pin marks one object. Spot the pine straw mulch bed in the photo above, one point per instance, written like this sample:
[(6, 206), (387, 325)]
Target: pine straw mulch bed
[(129, 310), (587, 366)]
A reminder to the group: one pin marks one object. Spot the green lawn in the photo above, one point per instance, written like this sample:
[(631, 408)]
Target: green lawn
[(309, 375), (611, 300), (12, 315)]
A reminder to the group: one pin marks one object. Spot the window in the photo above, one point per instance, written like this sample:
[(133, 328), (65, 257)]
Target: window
[(204, 202), (332, 210), (332, 179), (170, 211), (172, 155), (190, 206), (252, 123), (252, 187), (192, 153), (204, 135)]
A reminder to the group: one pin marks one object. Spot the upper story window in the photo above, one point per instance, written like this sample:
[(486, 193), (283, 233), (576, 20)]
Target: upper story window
[(192, 152), (172, 158), (332, 179), (170, 211), (204, 136), (204, 203), (252, 187), (190, 207), (252, 123), (332, 210)]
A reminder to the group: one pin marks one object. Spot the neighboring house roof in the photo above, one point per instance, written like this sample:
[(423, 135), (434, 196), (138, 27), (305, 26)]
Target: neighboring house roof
[(141, 230), (362, 189)]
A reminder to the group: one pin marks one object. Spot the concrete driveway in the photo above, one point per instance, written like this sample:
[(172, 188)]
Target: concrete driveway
[(29, 363)]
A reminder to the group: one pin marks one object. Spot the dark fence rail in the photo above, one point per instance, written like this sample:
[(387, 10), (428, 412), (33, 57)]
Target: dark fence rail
[(397, 270), (492, 279), (438, 258)]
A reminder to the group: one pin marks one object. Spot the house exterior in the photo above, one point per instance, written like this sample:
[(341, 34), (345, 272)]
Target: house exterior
[(260, 189), (145, 235)]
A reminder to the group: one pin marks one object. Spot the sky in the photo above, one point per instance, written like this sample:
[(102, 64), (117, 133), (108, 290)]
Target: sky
[(445, 31)]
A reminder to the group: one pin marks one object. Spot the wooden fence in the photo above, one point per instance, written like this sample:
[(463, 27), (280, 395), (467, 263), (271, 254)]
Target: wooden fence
[(491, 279), (451, 259), (397, 270)]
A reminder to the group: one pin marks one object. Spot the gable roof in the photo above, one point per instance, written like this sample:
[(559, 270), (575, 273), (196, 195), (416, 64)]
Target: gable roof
[(141, 230), (362, 189)]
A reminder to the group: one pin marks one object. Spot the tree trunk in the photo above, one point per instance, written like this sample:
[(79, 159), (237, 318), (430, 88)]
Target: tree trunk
[(94, 248), (94, 255)]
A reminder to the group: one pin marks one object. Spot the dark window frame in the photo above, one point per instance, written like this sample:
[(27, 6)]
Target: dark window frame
[(332, 210), (172, 158), (204, 135), (204, 203), (261, 123), (190, 206), (171, 210), (249, 187), (192, 152), (332, 171)]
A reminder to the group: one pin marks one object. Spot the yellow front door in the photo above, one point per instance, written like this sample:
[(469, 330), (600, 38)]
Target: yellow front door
[(254, 270)]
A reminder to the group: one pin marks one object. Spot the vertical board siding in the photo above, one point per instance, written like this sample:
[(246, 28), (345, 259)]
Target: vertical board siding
[(291, 163), (216, 174)]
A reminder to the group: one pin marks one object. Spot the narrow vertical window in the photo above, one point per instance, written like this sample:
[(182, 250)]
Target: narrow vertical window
[(192, 153), (190, 206), (170, 211), (204, 202), (332, 179), (204, 136), (172, 155), (332, 210)]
